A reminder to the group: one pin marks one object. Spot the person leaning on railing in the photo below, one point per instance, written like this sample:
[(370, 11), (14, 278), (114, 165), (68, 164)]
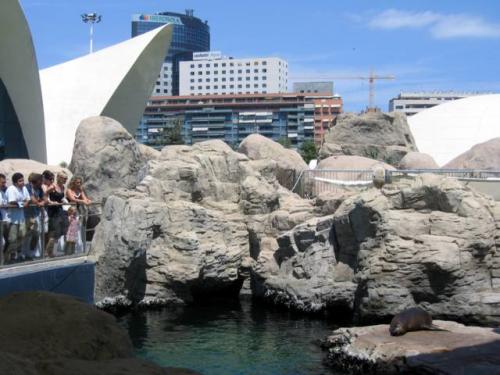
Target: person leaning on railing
[(76, 194), (4, 224), (18, 199), (34, 217), (58, 221)]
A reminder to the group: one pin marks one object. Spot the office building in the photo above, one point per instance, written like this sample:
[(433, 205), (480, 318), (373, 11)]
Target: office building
[(411, 103), (326, 109), (313, 87), (190, 34), (214, 74), (231, 118)]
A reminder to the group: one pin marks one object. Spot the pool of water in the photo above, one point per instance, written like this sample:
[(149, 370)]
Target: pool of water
[(237, 338)]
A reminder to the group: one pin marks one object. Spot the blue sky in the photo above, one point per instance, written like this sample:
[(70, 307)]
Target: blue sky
[(426, 44)]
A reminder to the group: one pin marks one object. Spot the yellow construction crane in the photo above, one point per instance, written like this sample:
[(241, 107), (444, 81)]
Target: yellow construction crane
[(371, 81)]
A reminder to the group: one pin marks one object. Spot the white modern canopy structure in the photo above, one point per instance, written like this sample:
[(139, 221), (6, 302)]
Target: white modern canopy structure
[(450, 129), (114, 82), (40, 112), (21, 109)]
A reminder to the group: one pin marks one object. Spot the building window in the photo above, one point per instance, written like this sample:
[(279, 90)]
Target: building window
[(240, 71), (240, 79), (165, 91), (200, 73), (208, 72), (200, 80), (192, 80), (247, 86), (223, 79), (207, 87), (223, 86), (165, 76), (240, 86), (256, 70), (264, 62), (248, 63), (223, 64), (231, 87), (208, 80), (216, 87), (264, 78), (231, 79), (231, 72), (216, 65), (256, 85), (264, 85), (256, 63), (264, 70), (192, 66), (231, 64), (216, 72), (223, 72), (255, 78), (200, 87), (248, 78), (248, 71), (200, 66), (207, 65), (191, 88), (216, 79), (192, 73)]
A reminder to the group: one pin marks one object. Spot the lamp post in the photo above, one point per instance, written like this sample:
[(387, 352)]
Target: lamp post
[(91, 18)]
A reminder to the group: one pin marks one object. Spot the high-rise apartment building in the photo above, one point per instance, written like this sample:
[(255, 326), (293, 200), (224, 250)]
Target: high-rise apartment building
[(231, 118), (214, 74), (414, 102), (191, 34)]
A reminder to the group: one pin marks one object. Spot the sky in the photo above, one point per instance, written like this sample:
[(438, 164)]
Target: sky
[(427, 44)]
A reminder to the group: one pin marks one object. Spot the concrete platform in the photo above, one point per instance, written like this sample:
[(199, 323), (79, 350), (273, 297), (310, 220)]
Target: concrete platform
[(70, 276)]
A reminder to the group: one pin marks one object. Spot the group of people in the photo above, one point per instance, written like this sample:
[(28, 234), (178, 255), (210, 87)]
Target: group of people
[(41, 217)]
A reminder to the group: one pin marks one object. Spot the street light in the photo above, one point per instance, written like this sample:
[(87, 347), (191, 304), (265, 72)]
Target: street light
[(91, 18)]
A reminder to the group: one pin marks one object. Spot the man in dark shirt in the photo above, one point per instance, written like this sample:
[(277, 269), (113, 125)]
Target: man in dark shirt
[(34, 220)]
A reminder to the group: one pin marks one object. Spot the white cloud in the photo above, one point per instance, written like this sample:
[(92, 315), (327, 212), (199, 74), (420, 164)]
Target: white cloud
[(439, 25)]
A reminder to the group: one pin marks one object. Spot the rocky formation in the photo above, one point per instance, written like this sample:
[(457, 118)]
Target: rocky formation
[(107, 157), (458, 350), (429, 241), (351, 162), (288, 162), (418, 160), (376, 135), (43, 333), (25, 166), (188, 226), (482, 156)]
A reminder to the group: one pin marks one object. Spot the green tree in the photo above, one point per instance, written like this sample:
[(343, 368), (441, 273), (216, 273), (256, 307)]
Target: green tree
[(285, 142), (174, 134), (308, 151)]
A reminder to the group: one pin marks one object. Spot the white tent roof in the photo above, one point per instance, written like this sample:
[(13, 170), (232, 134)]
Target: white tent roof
[(114, 82), (450, 129)]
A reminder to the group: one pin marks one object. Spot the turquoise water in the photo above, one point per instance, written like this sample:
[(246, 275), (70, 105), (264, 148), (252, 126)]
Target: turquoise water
[(240, 338)]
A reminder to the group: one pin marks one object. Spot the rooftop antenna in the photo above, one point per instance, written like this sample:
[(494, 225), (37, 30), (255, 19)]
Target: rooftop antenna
[(91, 18)]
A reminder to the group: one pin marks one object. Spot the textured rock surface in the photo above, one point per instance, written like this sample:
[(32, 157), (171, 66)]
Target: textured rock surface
[(482, 156), (418, 160), (106, 156), (43, 333), (428, 241), (258, 147), (189, 227), (458, 350), (377, 135)]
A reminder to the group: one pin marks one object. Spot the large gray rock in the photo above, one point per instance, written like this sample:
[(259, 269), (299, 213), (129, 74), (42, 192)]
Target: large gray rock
[(46, 334), (288, 162), (352, 162), (429, 241), (456, 350), (418, 160), (481, 156), (106, 156), (189, 227), (376, 135)]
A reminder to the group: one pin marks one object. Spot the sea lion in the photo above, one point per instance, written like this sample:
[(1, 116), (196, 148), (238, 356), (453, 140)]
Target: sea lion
[(413, 319)]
